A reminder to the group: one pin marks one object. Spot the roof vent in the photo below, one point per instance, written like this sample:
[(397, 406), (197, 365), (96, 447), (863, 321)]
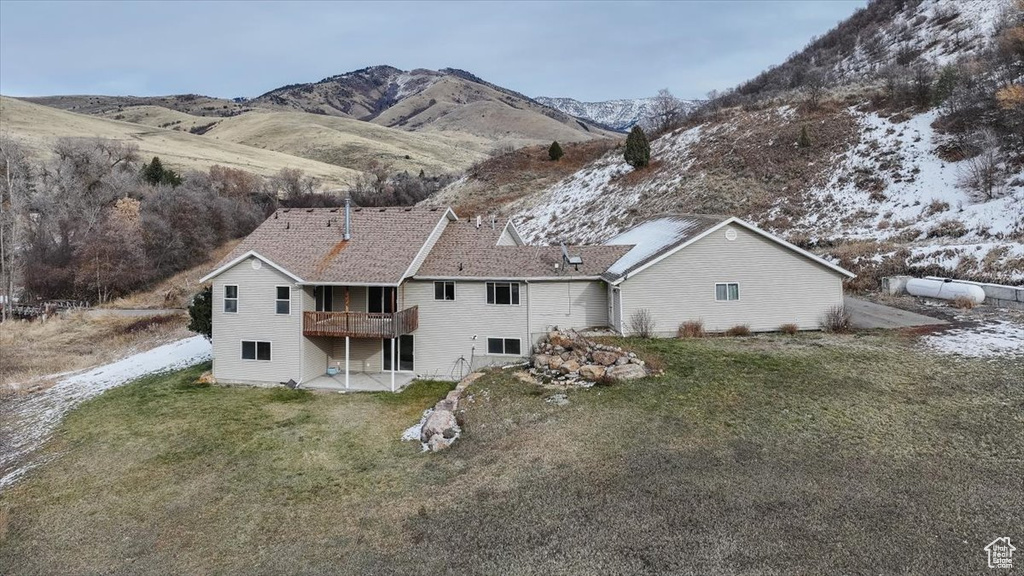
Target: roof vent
[(478, 220), (347, 234), (575, 261)]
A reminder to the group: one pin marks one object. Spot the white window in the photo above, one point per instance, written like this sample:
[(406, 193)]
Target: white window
[(444, 290), (284, 300), (504, 346), (231, 299), (505, 293), (725, 291), (255, 350)]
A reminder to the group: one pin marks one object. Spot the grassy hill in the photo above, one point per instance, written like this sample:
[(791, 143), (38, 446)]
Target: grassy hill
[(39, 126)]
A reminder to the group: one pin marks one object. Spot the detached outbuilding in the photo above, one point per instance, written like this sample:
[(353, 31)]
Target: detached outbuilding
[(722, 271)]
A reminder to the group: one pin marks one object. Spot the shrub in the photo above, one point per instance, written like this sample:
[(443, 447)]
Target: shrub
[(789, 328), (555, 152), (200, 313), (836, 320), (963, 302), (641, 323), (738, 330), (804, 141), (691, 329)]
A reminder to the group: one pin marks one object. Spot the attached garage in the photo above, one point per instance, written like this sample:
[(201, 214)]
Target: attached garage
[(722, 271)]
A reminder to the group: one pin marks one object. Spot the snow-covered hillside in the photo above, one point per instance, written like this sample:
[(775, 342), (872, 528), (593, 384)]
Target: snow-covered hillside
[(937, 31), (888, 191), (615, 114)]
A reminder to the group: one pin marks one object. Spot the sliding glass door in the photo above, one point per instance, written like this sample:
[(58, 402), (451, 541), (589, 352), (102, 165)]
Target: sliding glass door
[(404, 350)]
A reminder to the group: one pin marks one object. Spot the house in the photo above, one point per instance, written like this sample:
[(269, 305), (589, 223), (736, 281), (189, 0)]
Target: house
[(317, 295)]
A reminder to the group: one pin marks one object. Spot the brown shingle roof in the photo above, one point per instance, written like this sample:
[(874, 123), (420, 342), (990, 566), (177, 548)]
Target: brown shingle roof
[(465, 251), (385, 241)]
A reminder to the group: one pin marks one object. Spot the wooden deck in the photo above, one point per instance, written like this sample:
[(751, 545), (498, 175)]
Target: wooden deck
[(360, 324)]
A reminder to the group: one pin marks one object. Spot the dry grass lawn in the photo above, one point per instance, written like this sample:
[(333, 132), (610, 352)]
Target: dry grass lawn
[(808, 454)]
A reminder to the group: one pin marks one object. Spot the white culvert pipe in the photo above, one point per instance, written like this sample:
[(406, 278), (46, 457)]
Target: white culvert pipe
[(945, 289)]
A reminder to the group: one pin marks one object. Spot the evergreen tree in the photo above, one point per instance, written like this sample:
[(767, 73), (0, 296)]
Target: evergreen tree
[(638, 149), (804, 141), (155, 173), (200, 313), (555, 152)]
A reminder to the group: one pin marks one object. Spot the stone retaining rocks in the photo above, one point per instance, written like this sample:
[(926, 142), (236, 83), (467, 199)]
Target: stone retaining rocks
[(567, 356)]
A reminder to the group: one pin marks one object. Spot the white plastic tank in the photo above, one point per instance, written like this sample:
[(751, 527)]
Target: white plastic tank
[(945, 289)]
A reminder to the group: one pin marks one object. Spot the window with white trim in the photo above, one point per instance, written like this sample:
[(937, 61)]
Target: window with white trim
[(284, 300), (444, 290), (255, 350), (231, 299), (504, 346), (503, 293), (726, 291)]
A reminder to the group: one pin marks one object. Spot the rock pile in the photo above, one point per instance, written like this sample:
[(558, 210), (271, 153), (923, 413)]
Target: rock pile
[(567, 357), (441, 427)]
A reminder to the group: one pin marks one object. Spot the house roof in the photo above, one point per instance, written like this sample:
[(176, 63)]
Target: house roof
[(307, 243), (465, 251), (662, 236)]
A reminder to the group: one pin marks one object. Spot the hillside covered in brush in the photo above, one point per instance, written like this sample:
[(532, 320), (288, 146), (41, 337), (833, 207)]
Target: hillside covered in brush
[(891, 144)]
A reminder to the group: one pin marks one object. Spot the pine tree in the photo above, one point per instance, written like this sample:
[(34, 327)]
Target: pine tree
[(804, 141), (555, 152), (155, 173), (200, 313), (638, 149)]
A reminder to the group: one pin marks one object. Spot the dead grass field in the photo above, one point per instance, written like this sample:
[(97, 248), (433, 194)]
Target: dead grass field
[(32, 351), (37, 127), (808, 454)]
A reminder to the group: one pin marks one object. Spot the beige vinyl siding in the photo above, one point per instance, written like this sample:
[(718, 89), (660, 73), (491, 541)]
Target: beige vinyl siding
[(446, 327), (506, 238), (256, 320), (776, 286), (364, 354), (580, 304)]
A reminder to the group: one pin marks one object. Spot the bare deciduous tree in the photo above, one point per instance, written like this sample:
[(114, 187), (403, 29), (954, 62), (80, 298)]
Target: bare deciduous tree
[(983, 173), (15, 182), (666, 113)]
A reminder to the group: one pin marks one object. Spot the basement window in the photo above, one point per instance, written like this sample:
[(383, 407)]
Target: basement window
[(444, 290), (255, 350), (284, 300), (504, 293), (231, 299), (504, 346), (727, 291)]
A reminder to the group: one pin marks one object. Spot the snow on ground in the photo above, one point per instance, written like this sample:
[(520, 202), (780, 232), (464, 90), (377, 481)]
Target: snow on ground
[(412, 433), (994, 339), (894, 186), (587, 207), (30, 420)]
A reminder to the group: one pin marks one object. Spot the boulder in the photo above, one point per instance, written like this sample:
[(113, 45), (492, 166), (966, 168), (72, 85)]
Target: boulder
[(622, 360), (570, 366), (605, 358), (207, 378), (555, 362), (541, 360), (559, 339), (636, 361), (592, 372), (627, 372), (438, 442), (439, 423)]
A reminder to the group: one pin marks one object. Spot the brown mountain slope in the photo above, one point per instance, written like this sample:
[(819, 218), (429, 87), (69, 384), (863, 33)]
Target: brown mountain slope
[(38, 127)]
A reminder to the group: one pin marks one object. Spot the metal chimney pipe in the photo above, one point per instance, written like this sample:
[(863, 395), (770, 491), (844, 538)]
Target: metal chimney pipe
[(348, 219)]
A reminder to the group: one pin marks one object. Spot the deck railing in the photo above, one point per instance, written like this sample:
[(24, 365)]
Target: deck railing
[(361, 324)]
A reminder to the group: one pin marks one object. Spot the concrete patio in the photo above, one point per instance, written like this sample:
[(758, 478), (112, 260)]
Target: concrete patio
[(360, 382)]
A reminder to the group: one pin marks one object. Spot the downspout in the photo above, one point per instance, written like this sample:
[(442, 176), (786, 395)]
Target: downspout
[(529, 334)]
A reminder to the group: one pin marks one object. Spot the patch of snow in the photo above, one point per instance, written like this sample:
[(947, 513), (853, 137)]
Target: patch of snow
[(995, 339), (412, 433), (621, 114), (30, 420)]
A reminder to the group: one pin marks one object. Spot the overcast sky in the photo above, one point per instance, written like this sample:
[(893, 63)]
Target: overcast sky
[(584, 50)]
